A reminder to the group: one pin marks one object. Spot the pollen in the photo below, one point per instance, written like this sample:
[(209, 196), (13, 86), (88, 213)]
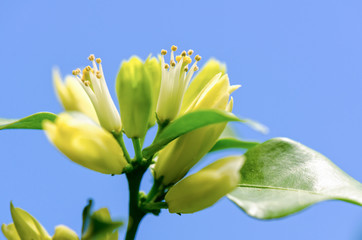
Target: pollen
[(187, 60), (197, 58), (173, 48), (91, 57), (190, 52), (178, 58), (98, 60), (163, 52)]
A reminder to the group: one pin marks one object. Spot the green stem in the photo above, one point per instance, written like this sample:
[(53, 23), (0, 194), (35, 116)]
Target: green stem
[(137, 149), (135, 212), (119, 137)]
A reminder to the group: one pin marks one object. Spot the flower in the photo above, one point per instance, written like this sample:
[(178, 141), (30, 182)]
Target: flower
[(64, 233), (204, 188), (72, 96), (86, 143), (175, 79), (135, 92), (177, 158), (94, 84), (25, 227)]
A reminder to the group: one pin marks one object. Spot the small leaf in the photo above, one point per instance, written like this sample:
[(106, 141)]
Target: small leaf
[(30, 122), (227, 143), (187, 123), (101, 227), (86, 215), (281, 177)]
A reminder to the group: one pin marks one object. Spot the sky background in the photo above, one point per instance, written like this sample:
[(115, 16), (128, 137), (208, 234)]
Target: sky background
[(300, 64)]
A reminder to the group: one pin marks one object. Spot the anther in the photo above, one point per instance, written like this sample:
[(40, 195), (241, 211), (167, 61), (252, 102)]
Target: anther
[(87, 83), (178, 58), (183, 53), (78, 70), (186, 69), (190, 52), (91, 57), (197, 58), (99, 75), (196, 68), (167, 66), (187, 60), (173, 63), (74, 72), (163, 52), (173, 48), (88, 68), (98, 60)]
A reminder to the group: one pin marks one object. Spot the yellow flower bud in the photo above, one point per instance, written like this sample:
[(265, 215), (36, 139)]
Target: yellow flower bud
[(64, 233), (153, 66), (176, 159), (10, 232), (72, 96), (86, 143), (25, 227), (204, 188), (134, 93), (207, 72)]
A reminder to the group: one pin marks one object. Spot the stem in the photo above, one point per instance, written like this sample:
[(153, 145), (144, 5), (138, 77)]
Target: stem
[(119, 137), (135, 213), (137, 149)]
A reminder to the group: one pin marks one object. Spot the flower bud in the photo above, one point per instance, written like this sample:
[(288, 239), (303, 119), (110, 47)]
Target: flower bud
[(64, 233), (134, 93), (10, 232), (153, 66), (25, 226), (204, 188), (202, 78), (177, 158), (72, 96), (86, 143)]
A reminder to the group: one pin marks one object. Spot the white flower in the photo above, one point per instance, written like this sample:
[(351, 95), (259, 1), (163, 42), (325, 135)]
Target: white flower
[(175, 79), (94, 84)]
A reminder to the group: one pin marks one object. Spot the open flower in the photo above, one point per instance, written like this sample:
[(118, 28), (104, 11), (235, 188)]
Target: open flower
[(179, 156), (175, 79), (94, 84), (204, 188), (86, 143)]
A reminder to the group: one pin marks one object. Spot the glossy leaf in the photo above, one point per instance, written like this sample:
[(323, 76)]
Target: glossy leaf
[(30, 122), (281, 177), (228, 143), (187, 123)]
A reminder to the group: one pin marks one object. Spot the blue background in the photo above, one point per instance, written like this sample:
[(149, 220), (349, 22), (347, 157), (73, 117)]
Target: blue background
[(300, 64)]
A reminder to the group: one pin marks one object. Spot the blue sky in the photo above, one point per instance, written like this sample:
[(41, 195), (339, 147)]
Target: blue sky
[(299, 63)]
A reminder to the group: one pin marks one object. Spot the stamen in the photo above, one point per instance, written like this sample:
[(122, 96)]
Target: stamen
[(196, 68), (186, 69), (98, 60), (74, 72), (178, 58), (190, 52), (91, 57), (99, 75), (88, 68), (183, 53), (167, 66), (197, 58), (173, 48), (187, 60), (87, 83), (172, 63), (163, 52)]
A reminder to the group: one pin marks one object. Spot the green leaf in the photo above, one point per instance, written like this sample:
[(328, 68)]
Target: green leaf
[(86, 215), (281, 177), (101, 227), (227, 143), (185, 124), (30, 122)]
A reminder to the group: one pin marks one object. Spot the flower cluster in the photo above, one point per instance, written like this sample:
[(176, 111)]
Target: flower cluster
[(90, 131)]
